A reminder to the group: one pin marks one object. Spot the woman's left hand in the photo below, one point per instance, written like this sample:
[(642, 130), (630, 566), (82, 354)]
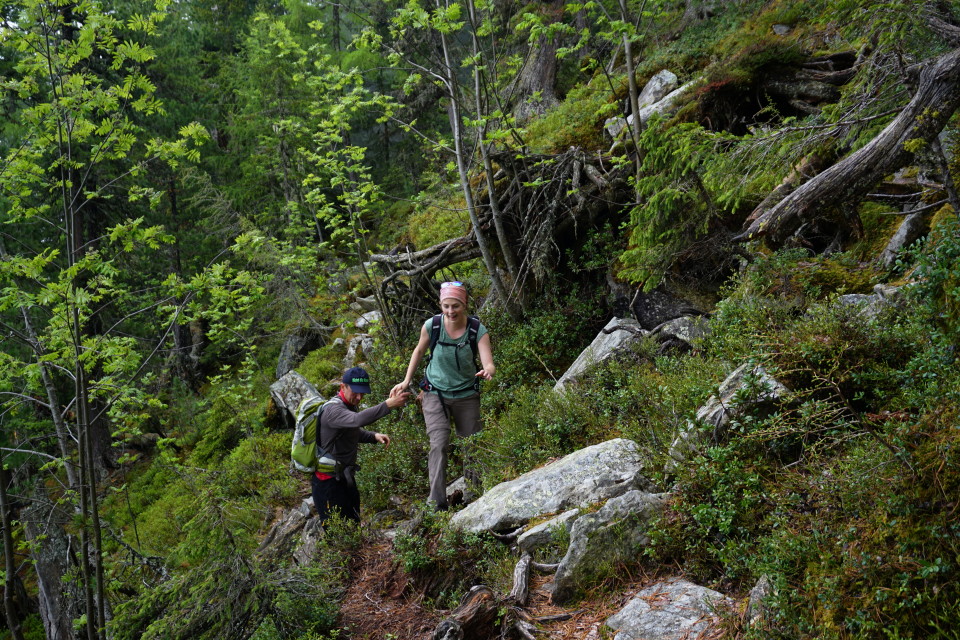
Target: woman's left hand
[(486, 375)]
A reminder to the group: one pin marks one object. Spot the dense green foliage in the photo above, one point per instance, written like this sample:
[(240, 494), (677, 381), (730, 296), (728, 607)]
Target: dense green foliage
[(184, 185)]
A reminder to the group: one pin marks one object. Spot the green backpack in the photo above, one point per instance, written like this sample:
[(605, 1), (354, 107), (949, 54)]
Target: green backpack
[(305, 452)]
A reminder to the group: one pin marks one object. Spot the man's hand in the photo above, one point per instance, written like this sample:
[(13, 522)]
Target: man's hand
[(383, 439), (398, 399)]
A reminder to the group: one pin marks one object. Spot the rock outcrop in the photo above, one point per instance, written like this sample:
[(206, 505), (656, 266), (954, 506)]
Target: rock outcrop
[(589, 476), (670, 610), (873, 304), (295, 348), (288, 392), (747, 388), (614, 338), (657, 88), (599, 541), (359, 349), (540, 537)]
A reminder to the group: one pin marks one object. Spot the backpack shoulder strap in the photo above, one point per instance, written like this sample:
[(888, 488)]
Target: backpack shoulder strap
[(434, 333), (473, 328), (320, 409)]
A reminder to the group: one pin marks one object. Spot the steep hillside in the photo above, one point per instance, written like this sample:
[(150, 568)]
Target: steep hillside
[(715, 245)]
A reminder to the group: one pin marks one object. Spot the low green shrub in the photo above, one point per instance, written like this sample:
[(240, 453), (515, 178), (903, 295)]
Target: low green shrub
[(258, 467), (446, 561)]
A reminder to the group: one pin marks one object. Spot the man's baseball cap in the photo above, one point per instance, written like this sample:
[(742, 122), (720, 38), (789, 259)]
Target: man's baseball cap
[(357, 379)]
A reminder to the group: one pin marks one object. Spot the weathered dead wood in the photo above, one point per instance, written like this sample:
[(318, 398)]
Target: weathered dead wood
[(545, 568), (803, 89), (509, 536), (521, 580), (525, 629), (431, 259), (935, 100), (482, 614), (558, 617), (472, 619), (943, 28), (808, 167)]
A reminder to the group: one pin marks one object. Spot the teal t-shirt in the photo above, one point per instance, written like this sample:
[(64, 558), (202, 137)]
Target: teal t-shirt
[(451, 368)]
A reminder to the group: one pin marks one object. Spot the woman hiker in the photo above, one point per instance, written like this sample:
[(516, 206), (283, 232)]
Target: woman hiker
[(451, 385)]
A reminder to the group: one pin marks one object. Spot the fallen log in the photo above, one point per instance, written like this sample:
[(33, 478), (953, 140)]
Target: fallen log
[(936, 98)]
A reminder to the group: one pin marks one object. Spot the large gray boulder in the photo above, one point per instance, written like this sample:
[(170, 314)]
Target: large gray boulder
[(295, 348), (288, 392), (747, 388), (368, 320), (614, 534), (681, 334), (588, 476), (295, 535), (654, 308), (614, 338), (670, 610), (656, 89), (758, 603), (665, 106)]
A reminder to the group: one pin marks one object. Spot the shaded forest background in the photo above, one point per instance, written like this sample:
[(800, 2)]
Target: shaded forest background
[(192, 192)]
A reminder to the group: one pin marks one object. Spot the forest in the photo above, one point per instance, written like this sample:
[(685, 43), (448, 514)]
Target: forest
[(202, 201)]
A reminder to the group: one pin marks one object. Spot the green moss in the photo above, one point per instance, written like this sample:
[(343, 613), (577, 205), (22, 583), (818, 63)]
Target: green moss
[(575, 122), (439, 221), (323, 365), (878, 228)]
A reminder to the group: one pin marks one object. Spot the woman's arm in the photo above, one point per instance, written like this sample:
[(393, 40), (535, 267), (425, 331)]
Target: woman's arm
[(486, 358), (415, 358)]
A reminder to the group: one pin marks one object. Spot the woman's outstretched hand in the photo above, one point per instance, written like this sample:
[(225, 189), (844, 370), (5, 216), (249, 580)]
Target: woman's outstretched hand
[(485, 374)]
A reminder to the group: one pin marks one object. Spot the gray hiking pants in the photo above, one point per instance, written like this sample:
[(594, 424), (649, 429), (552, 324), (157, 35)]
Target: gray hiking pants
[(466, 418)]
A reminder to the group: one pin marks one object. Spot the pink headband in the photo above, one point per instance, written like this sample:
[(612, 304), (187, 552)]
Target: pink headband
[(454, 290)]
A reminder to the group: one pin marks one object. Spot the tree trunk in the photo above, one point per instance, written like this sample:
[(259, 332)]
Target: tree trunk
[(935, 100), (509, 256), (53, 552), (636, 126), (538, 77), (456, 125), (53, 397), (10, 568)]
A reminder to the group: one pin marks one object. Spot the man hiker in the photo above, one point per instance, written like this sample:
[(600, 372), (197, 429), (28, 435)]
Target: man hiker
[(341, 429)]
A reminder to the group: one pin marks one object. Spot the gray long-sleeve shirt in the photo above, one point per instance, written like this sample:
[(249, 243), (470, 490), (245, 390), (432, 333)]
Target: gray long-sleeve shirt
[(341, 429)]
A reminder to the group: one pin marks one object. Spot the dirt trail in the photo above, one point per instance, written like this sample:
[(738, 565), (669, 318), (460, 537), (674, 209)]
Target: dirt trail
[(381, 604)]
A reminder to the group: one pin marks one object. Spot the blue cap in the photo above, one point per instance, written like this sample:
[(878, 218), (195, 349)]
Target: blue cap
[(357, 379)]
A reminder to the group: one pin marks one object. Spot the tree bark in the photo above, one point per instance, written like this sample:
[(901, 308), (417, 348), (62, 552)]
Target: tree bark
[(474, 619), (536, 83), (509, 256), (456, 125), (10, 569), (935, 100)]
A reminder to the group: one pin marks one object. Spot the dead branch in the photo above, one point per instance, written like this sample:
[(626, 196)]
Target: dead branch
[(525, 629), (507, 537)]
